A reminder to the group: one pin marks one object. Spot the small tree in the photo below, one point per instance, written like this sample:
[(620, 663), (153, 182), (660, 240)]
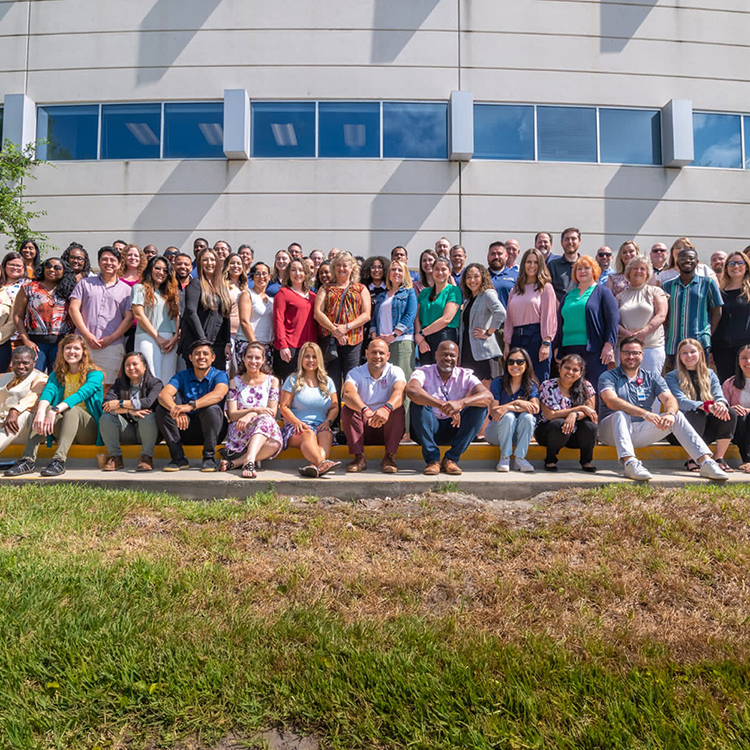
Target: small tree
[(16, 168)]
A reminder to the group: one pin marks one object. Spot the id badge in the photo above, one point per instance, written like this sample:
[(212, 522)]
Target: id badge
[(640, 393)]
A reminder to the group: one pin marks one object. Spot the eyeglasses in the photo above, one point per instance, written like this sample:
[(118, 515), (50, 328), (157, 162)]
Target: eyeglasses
[(518, 362), (732, 263), (631, 353)]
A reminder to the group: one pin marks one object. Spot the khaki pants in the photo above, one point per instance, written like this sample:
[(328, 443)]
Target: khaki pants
[(75, 425), (24, 423)]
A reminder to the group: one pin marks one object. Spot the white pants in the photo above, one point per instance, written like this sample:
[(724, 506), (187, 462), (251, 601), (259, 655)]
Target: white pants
[(163, 365)]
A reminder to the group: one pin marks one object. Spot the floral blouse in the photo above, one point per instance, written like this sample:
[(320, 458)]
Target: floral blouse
[(552, 397)]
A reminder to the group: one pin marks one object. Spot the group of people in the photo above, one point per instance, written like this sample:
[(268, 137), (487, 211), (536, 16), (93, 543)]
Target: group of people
[(565, 349)]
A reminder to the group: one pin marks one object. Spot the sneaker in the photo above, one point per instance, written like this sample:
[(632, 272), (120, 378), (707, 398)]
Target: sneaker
[(503, 464), (24, 466), (209, 464), (523, 465), (176, 464), (711, 470), (635, 470), (54, 468)]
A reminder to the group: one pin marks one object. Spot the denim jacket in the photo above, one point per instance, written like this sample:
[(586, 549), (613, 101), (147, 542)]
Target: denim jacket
[(403, 311)]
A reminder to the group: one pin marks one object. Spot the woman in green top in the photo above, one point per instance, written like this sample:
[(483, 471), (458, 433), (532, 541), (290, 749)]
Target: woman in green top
[(438, 314)]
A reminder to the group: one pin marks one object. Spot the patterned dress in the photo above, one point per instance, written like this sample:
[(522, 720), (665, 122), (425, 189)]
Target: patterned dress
[(246, 397)]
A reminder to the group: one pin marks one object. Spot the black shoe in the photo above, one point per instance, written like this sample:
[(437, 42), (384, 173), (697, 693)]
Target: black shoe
[(209, 464), (550, 467), (590, 468), (23, 466), (54, 468), (176, 464)]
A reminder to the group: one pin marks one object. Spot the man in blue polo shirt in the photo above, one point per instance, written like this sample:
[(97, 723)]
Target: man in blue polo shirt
[(503, 278), (191, 408)]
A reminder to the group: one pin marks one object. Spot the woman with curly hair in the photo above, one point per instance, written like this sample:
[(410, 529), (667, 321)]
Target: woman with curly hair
[(131, 272), (374, 275), (733, 330), (40, 311), (31, 257), (156, 307), (69, 409), (309, 406), (77, 258)]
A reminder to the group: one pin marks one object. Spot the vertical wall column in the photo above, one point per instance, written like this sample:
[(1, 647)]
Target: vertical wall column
[(236, 124), (677, 142), (461, 126), (19, 119)]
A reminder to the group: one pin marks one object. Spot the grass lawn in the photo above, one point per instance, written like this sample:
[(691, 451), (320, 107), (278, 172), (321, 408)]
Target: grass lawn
[(614, 618)]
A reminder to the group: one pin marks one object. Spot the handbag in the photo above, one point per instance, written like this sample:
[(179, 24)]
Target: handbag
[(331, 348)]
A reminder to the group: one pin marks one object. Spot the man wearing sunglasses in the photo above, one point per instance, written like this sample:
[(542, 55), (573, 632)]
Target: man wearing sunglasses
[(604, 259)]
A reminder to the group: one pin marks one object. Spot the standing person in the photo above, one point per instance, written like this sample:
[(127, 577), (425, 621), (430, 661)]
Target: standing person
[(12, 278), (569, 416), (317, 257), (40, 311), (156, 307), (659, 260), (323, 276), (77, 258), (400, 253), (588, 320), (503, 278), (512, 251), (223, 250), (374, 274), (190, 409), (29, 251), (439, 313), (694, 306), (643, 310), (129, 413), (426, 263), (458, 262), (280, 262), (617, 282), (248, 258), (309, 406), (183, 265), (561, 269), (515, 404), (733, 329), (68, 410), (342, 308), (236, 281), (700, 398), (543, 243), (131, 272), (150, 251), (100, 311), (717, 262), (256, 315), (293, 318), (443, 247), (207, 308), (531, 319), (673, 270), (604, 259), (737, 392)]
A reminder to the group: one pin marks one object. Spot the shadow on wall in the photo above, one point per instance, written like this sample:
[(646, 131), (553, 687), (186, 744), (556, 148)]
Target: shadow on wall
[(403, 206), (179, 199), (402, 16), (154, 55), (619, 23), (626, 215)]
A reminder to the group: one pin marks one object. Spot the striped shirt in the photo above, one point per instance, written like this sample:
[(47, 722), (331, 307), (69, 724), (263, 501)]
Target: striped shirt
[(690, 311)]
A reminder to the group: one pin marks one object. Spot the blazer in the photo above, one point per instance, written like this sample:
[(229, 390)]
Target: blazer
[(403, 311), (152, 387), (486, 312), (602, 320)]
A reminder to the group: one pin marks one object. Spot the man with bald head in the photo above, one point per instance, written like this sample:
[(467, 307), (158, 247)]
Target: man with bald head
[(659, 259), (604, 259), (512, 251)]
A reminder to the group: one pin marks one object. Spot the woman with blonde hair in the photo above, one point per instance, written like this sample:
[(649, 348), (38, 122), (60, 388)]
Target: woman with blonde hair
[(618, 282), (700, 398), (69, 408), (309, 406), (733, 330), (280, 262)]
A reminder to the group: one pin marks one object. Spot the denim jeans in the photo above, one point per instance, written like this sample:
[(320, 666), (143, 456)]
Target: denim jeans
[(430, 432), (514, 428)]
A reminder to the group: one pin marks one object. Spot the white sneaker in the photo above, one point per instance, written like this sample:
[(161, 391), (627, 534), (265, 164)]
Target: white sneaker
[(523, 465), (503, 464), (634, 469), (711, 470)]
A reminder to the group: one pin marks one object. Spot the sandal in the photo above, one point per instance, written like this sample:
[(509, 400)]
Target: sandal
[(227, 465), (248, 470), (691, 465), (325, 466), (745, 467), (724, 465), (309, 471)]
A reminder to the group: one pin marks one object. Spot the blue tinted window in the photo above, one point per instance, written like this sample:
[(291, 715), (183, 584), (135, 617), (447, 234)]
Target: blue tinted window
[(415, 131), (348, 129), (71, 132), (131, 131), (283, 129), (630, 136), (194, 130), (566, 133), (503, 132), (717, 140)]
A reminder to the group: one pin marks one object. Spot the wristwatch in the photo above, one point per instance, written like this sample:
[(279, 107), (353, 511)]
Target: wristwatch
[(122, 403), (192, 404)]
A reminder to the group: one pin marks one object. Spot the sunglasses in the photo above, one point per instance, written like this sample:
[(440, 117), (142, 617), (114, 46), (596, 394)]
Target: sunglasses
[(518, 362), (54, 267), (604, 255)]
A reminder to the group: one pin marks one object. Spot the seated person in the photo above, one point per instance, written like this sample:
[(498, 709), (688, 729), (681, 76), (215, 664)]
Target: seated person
[(69, 408), (515, 404), (19, 393), (191, 408), (129, 413), (373, 410), (309, 405), (626, 421), (448, 406)]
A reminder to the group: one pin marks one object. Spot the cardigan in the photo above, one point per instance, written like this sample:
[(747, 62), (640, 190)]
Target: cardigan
[(486, 312), (602, 320), (89, 393)]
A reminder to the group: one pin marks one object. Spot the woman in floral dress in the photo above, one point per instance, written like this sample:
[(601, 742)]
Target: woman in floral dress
[(252, 402)]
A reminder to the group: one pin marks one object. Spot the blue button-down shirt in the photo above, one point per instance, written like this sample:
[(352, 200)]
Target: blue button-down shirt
[(191, 389)]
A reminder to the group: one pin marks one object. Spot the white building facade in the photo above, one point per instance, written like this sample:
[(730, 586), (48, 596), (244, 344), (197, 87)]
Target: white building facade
[(367, 124)]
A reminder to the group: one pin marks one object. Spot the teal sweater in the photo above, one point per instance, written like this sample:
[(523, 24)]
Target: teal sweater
[(89, 393)]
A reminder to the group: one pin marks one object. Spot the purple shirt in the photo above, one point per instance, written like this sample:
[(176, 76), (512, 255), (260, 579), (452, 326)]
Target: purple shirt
[(102, 307), (459, 385)]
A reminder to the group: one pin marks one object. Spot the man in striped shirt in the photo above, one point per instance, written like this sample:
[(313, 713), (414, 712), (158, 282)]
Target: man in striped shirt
[(694, 307)]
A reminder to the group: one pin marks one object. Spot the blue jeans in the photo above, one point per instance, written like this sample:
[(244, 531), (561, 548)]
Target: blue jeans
[(45, 358), (529, 337), (514, 428), (430, 432)]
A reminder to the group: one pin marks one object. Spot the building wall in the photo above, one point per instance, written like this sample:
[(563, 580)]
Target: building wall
[(584, 52)]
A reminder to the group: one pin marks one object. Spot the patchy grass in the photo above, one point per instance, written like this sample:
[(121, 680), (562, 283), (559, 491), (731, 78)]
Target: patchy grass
[(612, 618)]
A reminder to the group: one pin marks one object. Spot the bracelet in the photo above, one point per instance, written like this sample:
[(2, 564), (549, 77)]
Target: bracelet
[(388, 406), (364, 409)]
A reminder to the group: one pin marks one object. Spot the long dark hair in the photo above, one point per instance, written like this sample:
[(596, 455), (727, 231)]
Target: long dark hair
[(527, 379), (37, 258), (169, 288), (578, 393), (739, 376), (542, 274), (66, 284), (86, 263), (367, 267)]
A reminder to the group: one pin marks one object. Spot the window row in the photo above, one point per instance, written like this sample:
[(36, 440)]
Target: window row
[(721, 140)]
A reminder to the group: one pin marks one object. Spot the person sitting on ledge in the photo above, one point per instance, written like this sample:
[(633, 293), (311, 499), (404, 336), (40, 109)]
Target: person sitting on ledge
[(191, 408), (626, 420), (448, 406), (373, 410)]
